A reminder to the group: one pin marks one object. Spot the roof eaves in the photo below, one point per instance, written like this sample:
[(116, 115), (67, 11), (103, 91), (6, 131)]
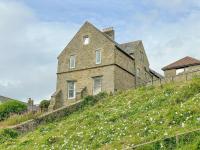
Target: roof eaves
[(156, 73)]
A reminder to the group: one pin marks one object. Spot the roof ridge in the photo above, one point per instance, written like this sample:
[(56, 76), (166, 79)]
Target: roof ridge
[(131, 42)]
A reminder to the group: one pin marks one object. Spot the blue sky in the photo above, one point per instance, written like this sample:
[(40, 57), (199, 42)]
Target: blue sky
[(34, 32)]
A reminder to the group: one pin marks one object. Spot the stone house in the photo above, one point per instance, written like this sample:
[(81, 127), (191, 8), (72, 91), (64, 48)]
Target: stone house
[(93, 62), (182, 66)]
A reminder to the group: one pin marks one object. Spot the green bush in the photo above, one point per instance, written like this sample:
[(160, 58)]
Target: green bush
[(19, 118), (91, 100), (44, 104), (11, 106), (7, 134)]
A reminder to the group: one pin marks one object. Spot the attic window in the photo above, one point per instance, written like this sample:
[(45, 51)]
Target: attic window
[(86, 40)]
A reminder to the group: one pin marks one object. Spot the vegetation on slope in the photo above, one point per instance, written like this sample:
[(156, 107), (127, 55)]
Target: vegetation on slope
[(18, 118), (11, 106), (126, 119)]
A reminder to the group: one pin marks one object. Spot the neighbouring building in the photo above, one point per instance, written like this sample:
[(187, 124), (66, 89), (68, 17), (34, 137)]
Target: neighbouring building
[(93, 62), (182, 66), (31, 106)]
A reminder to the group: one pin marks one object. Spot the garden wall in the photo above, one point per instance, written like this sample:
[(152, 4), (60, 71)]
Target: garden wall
[(30, 125), (179, 78)]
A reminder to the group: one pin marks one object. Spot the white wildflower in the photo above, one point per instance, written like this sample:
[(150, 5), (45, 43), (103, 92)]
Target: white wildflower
[(151, 119)]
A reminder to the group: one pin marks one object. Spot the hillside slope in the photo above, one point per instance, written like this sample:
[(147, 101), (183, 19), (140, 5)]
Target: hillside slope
[(126, 119)]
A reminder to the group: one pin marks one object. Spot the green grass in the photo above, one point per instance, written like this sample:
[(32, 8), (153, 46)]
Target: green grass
[(120, 121), (17, 119)]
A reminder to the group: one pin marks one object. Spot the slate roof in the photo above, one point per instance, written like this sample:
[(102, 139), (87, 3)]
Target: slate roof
[(182, 63), (130, 47), (156, 73)]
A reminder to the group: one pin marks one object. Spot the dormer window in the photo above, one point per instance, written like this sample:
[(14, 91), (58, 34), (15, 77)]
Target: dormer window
[(86, 40)]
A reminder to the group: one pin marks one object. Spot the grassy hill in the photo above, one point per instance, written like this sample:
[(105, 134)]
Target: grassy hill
[(4, 99), (123, 120)]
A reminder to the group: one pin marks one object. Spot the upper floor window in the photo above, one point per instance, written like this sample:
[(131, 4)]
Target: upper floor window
[(98, 56), (72, 62), (86, 40)]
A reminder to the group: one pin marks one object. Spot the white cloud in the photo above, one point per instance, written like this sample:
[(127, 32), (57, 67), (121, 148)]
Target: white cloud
[(165, 41), (29, 48)]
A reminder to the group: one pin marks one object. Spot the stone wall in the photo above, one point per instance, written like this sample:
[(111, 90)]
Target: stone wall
[(51, 116), (125, 62), (192, 68), (123, 80), (178, 78), (86, 67), (85, 54), (170, 73), (84, 78)]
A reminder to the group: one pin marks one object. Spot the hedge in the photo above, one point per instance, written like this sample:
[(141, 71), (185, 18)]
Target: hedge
[(10, 107)]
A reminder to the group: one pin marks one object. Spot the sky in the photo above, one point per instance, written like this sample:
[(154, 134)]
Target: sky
[(34, 32)]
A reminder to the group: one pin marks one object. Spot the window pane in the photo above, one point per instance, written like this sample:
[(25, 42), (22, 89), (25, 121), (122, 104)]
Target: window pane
[(71, 86), (98, 57), (71, 93), (179, 71), (72, 62), (71, 89), (86, 40), (97, 85)]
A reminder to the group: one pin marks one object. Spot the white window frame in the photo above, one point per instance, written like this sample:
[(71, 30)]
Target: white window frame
[(74, 90), (71, 65), (86, 40), (101, 79), (96, 55)]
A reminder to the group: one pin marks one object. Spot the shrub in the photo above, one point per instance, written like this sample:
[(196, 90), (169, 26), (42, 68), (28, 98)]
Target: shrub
[(7, 134), (44, 104), (91, 100), (11, 106), (19, 118)]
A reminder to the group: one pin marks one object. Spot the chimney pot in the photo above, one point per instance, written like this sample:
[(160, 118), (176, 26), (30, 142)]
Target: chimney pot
[(110, 32)]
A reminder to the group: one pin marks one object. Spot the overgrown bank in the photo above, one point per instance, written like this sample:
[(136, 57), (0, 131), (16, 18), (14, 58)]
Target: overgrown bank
[(121, 121)]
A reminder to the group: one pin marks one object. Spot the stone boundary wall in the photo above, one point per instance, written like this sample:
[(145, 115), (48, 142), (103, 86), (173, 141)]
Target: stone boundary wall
[(171, 142), (30, 125), (179, 78)]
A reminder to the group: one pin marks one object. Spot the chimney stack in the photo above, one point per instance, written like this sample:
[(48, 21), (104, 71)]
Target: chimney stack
[(110, 32)]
